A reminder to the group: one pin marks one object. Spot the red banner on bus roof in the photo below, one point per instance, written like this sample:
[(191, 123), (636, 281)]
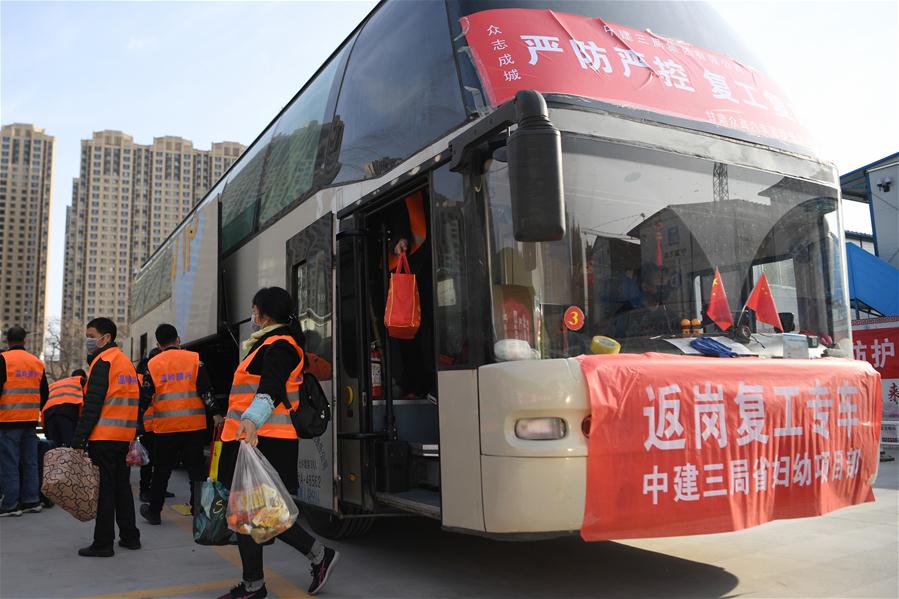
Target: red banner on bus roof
[(551, 52), (690, 445)]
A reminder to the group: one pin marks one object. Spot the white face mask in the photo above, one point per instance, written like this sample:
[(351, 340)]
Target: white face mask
[(91, 344)]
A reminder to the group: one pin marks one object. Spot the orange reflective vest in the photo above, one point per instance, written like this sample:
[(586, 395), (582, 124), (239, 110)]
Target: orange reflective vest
[(417, 223), (20, 398), (243, 390), (63, 391), (118, 417), (177, 408)]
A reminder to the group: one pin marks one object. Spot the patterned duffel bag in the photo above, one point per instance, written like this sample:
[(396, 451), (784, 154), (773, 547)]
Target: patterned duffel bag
[(72, 481)]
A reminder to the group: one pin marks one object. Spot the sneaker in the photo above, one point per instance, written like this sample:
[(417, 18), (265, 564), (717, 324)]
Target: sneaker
[(241, 592), (149, 516), (47, 503), (132, 545), (32, 508), (322, 570), (13, 511), (93, 551)]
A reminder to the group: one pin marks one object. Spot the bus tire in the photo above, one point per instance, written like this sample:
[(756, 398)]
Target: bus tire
[(327, 525)]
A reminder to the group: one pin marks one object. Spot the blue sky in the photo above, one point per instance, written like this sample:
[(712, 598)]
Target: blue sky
[(214, 71)]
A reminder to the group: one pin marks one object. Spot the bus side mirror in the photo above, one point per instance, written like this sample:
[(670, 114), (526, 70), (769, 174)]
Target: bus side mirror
[(535, 163), (535, 173)]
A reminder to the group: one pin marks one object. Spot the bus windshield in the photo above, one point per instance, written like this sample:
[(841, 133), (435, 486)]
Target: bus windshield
[(646, 232)]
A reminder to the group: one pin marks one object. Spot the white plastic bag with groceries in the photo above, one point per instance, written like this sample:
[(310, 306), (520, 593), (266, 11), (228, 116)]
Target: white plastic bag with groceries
[(259, 504)]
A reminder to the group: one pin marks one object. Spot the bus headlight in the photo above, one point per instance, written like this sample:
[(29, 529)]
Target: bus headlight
[(540, 429)]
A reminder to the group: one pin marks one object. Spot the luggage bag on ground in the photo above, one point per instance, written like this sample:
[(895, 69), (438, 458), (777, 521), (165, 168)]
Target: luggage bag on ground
[(72, 481)]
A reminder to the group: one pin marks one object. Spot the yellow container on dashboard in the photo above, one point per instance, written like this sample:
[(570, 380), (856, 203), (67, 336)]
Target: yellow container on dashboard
[(604, 345)]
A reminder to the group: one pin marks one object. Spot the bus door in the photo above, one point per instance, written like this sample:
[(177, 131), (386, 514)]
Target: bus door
[(402, 382), (352, 407), (310, 277)]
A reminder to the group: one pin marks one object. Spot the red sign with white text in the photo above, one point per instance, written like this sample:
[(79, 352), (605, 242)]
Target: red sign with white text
[(683, 445), (875, 341), (552, 52)]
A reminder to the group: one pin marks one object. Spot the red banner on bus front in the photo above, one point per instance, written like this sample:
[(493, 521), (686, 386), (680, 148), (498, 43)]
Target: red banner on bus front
[(690, 445), (515, 49)]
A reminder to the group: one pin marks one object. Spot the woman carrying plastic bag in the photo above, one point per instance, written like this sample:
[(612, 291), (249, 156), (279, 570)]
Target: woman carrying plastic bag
[(271, 367)]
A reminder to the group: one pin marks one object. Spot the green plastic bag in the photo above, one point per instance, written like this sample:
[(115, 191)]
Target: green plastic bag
[(210, 523)]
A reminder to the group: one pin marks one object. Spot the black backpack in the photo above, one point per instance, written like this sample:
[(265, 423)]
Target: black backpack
[(311, 419)]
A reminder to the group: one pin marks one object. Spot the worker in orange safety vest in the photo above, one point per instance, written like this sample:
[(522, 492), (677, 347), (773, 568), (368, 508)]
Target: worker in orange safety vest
[(23, 390), (60, 414), (177, 388), (107, 426)]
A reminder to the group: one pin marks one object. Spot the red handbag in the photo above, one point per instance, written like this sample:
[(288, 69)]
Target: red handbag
[(403, 313)]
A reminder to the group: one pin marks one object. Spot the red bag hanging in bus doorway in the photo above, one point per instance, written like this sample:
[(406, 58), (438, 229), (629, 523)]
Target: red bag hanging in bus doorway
[(402, 317)]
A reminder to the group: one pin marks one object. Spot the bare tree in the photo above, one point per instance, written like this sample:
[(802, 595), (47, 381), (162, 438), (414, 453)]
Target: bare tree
[(63, 348)]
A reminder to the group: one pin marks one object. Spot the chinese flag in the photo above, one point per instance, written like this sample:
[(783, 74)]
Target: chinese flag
[(718, 308), (762, 302)]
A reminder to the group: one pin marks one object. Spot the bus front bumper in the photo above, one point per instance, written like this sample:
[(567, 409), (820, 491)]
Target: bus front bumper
[(533, 495), (532, 486)]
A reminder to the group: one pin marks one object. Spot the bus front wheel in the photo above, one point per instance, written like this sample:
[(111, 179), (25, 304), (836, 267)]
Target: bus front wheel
[(332, 527)]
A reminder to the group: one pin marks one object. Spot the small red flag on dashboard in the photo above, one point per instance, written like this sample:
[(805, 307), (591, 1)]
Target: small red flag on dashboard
[(718, 308), (762, 302)]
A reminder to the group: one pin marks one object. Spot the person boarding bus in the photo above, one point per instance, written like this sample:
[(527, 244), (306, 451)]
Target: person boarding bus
[(269, 373), (177, 387)]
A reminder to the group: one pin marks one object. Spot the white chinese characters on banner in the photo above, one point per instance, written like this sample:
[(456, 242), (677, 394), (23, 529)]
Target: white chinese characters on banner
[(574, 55), (847, 406), (691, 482), (665, 429), (591, 56), (752, 414), (540, 43)]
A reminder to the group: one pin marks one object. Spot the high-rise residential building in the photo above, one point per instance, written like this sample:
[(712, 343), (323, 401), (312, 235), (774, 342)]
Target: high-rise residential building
[(26, 174), (126, 201)]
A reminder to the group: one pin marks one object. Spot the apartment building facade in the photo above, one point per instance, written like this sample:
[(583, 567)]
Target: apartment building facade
[(127, 199), (26, 175)]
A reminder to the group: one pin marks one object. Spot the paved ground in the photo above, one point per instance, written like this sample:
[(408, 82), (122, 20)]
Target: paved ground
[(850, 553)]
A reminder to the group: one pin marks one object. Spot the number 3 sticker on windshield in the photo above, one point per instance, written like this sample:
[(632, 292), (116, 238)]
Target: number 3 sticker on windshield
[(573, 319)]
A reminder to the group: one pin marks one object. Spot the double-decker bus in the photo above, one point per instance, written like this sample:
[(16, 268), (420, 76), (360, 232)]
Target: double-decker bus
[(579, 171)]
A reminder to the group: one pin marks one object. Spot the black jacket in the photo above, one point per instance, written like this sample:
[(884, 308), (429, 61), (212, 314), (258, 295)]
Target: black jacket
[(94, 396), (274, 363), (45, 392)]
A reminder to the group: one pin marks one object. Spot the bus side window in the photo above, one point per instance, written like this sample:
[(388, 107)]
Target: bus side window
[(400, 91), (241, 192)]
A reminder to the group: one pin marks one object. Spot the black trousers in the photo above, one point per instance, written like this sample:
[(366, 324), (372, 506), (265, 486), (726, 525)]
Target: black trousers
[(116, 503), (170, 450), (60, 429), (148, 440), (282, 453)]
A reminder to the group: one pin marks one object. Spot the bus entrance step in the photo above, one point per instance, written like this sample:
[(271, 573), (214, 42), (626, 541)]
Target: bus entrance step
[(417, 501), (425, 450)]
